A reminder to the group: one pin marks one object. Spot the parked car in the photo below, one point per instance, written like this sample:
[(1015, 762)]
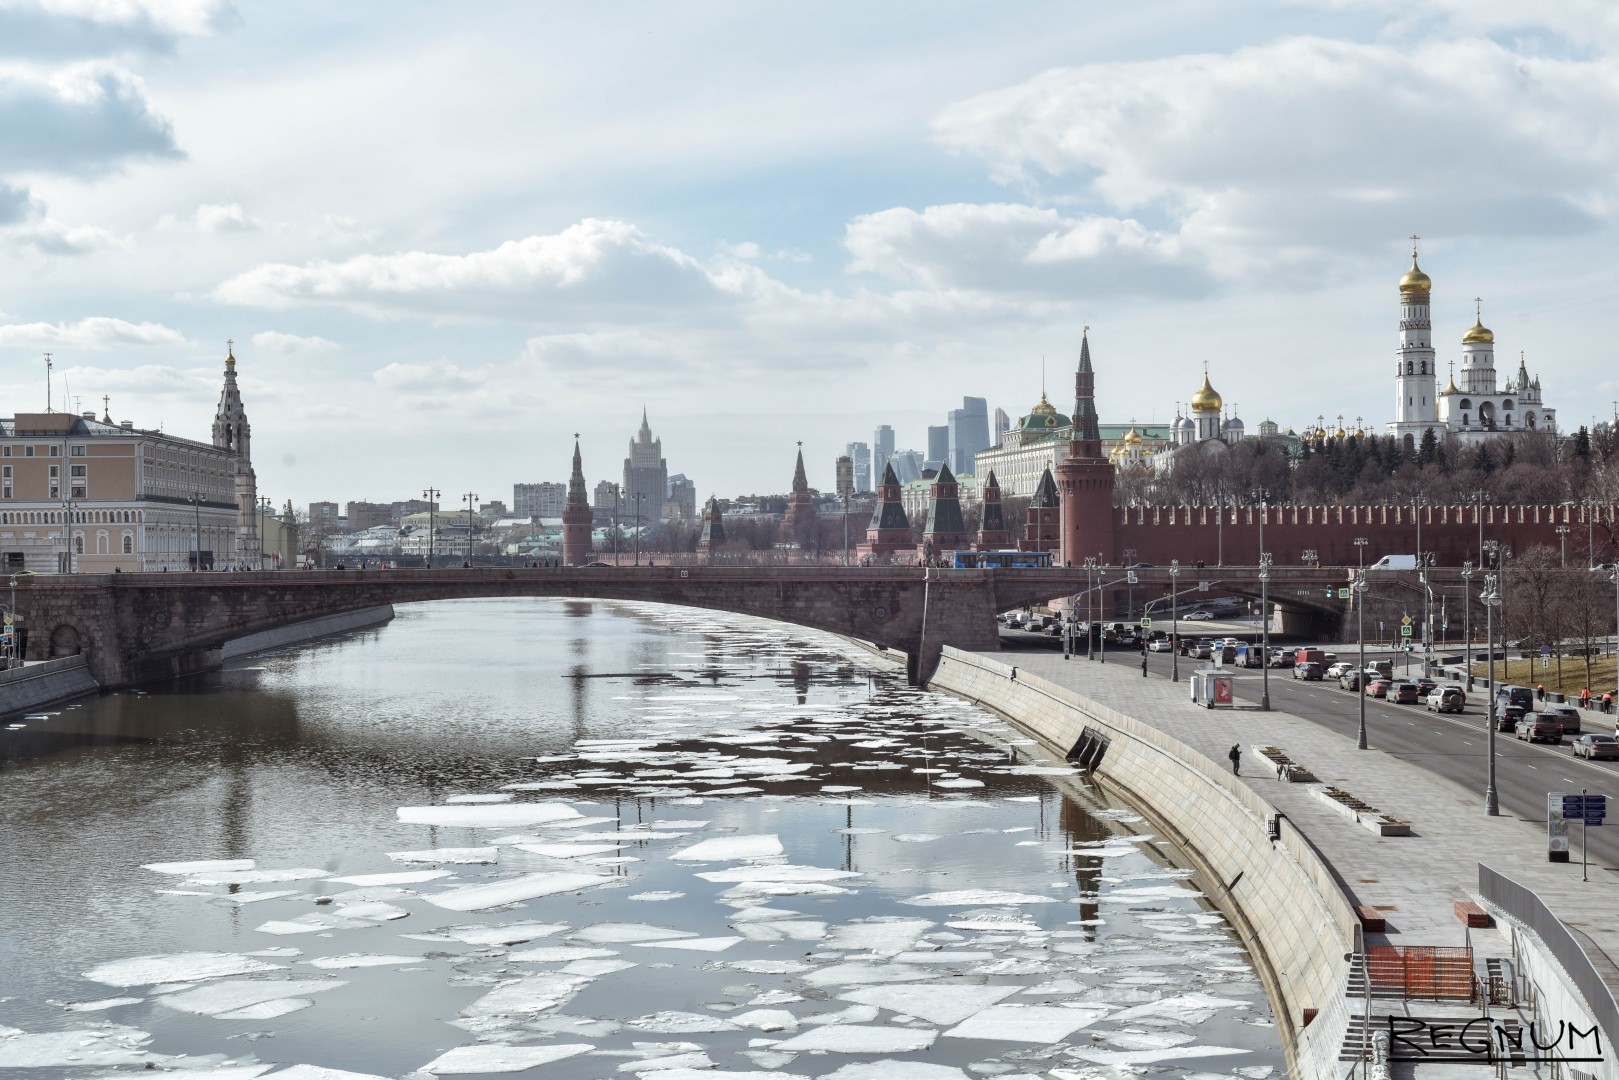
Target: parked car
[(1568, 714), (1338, 669), (1540, 728), (1307, 670), (1446, 699), (1597, 747), (1378, 688), (1199, 616), (1404, 693)]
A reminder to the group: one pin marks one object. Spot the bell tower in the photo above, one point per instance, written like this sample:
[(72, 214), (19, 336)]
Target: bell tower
[(233, 433), (1416, 404)]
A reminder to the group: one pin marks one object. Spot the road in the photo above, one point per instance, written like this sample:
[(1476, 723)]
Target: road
[(1450, 744)]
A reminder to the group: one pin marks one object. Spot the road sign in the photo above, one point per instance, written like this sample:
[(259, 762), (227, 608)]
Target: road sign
[(1545, 650), (1343, 593), (1146, 623), (1202, 586), (1405, 620), (1130, 577), (1591, 808), (1405, 631)]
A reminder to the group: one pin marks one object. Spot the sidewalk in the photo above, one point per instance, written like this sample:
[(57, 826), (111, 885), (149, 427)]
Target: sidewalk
[(1412, 880)]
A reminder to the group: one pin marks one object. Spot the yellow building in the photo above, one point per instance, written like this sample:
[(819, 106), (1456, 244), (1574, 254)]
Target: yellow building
[(82, 495)]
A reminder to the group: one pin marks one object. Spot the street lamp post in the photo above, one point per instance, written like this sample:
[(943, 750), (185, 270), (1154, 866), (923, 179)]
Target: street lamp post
[(1129, 583), (196, 513), (1101, 638), (471, 497), (1467, 618), (616, 490), (1090, 605), (639, 495), (845, 528), (431, 495), (1492, 600), (1360, 637), (1562, 543), (1174, 621), (1264, 651), (258, 526)]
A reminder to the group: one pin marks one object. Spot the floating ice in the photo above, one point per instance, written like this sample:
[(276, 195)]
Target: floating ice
[(504, 933), (728, 1074), (266, 1010), (938, 1004), (859, 1039), (1146, 1057), (955, 897), (369, 911), (672, 1022), (1027, 1023), (1148, 1040), (883, 935), (728, 848), (566, 851), (558, 954), (499, 816), (854, 1014), (620, 933), (696, 1061), (861, 974), (175, 967), (316, 1072), (945, 956), (958, 782), (767, 1020), (916, 837), (403, 877), (223, 997), (473, 856), (255, 877), (491, 1058), (199, 866), (493, 797), (513, 890), (102, 1004), (710, 944), (313, 923), (893, 1069), (359, 960), (595, 967), (531, 994), (656, 896), (257, 897), (80, 1047), (781, 872)]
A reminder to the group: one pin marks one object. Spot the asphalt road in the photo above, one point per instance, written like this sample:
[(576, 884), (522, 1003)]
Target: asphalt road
[(1452, 745)]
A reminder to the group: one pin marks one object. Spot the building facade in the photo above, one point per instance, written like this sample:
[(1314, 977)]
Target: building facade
[(82, 495), (860, 458), (542, 500), (882, 448), (969, 434), (646, 477)]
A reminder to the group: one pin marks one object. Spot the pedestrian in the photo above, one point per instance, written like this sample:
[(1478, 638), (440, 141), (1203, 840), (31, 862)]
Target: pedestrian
[(1585, 697), (1143, 662), (1540, 692), (1235, 754)]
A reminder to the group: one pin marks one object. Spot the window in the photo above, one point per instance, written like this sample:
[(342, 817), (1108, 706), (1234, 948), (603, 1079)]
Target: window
[(28, 451), (78, 451), (5, 451), (56, 451), (78, 544), (129, 544), (78, 471), (78, 492)]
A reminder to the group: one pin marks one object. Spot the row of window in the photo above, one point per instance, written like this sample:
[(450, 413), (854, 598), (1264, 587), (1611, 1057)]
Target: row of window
[(52, 450)]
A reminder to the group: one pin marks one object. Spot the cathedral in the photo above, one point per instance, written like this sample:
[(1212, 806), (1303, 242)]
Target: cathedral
[(1474, 411)]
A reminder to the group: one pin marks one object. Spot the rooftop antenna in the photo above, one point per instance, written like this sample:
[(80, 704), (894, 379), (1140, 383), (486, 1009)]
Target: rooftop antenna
[(48, 383)]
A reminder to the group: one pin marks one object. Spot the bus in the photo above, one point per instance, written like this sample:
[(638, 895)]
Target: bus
[(1000, 560)]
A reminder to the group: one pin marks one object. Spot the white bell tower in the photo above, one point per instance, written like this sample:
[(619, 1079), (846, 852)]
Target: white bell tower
[(1416, 405)]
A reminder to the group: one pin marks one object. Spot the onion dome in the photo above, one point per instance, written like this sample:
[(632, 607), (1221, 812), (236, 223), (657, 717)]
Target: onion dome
[(1415, 280), (1132, 437), (1044, 417), (1450, 387), (1478, 334), (1207, 399)]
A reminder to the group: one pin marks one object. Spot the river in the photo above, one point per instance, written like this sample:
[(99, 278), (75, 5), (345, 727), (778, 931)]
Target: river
[(592, 840)]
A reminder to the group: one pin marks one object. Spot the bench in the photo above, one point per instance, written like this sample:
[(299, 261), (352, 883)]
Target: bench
[(1371, 920), (1471, 915)]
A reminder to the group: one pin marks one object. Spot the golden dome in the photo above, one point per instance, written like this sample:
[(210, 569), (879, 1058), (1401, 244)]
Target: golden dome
[(1415, 280), (1450, 388), (1207, 399), (1478, 333), (1044, 406), (1133, 438)]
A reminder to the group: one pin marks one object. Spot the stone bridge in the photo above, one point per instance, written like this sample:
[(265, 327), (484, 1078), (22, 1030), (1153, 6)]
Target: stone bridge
[(141, 627)]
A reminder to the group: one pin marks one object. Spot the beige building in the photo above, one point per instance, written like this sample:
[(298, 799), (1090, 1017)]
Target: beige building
[(82, 495)]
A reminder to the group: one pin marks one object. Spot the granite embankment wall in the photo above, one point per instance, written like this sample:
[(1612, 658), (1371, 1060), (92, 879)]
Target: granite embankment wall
[(1280, 895), (45, 683), (300, 632)]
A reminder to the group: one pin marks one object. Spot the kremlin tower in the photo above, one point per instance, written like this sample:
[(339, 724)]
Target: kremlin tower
[(576, 516), (1085, 477)]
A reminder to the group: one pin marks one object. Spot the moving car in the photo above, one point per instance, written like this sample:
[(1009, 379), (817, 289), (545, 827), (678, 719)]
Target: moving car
[(1203, 650), (1446, 699), (1159, 645), (1507, 719), (1540, 728), (1378, 688), (1283, 657), (1351, 680), (1307, 670), (1405, 693), (1597, 747), (1198, 616), (1568, 714), (1425, 686), (1338, 669)]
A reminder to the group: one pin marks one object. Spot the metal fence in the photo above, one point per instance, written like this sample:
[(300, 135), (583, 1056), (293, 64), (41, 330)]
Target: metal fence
[(1525, 906), (1421, 971)]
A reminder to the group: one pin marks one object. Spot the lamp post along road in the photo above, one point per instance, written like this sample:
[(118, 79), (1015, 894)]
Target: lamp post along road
[(1101, 638), (1562, 543), (431, 495), (1360, 637), (471, 497), (1090, 607), (1174, 621), (1129, 584), (1467, 618), (1492, 599), (1264, 613)]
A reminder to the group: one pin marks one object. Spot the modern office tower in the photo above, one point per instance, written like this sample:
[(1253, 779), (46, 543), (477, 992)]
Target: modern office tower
[(969, 433), (681, 505), (860, 454), (543, 500), (882, 448), (907, 465), (938, 446), (1003, 424), (845, 476)]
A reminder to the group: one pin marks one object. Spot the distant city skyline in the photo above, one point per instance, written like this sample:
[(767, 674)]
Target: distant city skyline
[(551, 215)]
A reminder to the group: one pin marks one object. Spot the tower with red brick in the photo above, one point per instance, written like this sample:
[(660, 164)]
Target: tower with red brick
[(946, 530), (992, 534), (890, 529), (1085, 477), (1042, 528), (576, 516)]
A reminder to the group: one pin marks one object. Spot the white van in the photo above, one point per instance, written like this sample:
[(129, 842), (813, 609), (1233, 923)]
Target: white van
[(1395, 562)]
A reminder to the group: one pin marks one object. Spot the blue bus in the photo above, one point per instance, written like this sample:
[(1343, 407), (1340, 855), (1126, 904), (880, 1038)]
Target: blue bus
[(1000, 560)]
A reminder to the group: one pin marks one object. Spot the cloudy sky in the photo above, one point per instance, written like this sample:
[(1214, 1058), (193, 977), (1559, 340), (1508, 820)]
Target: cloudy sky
[(445, 237)]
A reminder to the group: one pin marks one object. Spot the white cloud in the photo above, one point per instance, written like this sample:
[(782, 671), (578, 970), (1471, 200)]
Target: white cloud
[(86, 27), (51, 237), (1285, 152), (96, 332), (593, 262), (84, 119), (274, 341), (1011, 247), (436, 375), (222, 218)]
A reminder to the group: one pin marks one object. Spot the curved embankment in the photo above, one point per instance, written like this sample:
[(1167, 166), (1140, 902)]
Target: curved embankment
[(1276, 889)]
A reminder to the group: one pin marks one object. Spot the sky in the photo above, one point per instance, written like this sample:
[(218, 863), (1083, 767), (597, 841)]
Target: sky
[(446, 238)]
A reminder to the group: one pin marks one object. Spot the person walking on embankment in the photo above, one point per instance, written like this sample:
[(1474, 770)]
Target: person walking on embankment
[(1235, 755)]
